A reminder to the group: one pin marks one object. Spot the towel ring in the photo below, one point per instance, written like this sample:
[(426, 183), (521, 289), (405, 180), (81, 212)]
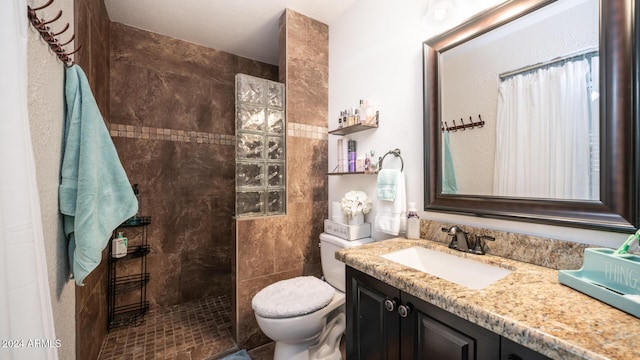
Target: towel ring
[(396, 153)]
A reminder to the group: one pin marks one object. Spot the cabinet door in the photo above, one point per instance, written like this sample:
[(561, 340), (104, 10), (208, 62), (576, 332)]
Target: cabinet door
[(514, 351), (432, 333), (373, 328)]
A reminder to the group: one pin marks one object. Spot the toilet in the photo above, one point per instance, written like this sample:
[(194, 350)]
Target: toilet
[(305, 316)]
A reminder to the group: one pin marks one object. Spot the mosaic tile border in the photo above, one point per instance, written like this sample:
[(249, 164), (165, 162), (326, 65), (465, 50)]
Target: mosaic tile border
[(154, 133), (307, 131)]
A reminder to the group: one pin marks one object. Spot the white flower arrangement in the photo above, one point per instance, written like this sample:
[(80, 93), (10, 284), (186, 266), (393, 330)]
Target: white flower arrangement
[(355, 202)]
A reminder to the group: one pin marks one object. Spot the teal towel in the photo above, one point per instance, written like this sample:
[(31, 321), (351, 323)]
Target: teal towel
[(387, 184), (449, 184), (95, 195)]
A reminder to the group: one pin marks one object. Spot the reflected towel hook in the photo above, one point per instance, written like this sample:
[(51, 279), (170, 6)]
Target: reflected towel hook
[(464, 126)]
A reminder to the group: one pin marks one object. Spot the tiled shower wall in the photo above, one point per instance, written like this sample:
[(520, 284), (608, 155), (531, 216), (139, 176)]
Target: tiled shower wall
[(172, 120), (281, 247), (92, 30)]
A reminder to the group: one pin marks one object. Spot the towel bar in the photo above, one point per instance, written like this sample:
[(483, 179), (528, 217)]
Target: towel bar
[(396, 153)]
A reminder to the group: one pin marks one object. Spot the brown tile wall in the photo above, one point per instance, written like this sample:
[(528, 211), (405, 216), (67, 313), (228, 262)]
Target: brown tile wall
[(276, 248), (172, 120), (92, 29), (92, 32)]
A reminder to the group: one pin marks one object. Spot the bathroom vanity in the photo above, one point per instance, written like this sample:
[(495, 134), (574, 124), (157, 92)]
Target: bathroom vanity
[(397, 312), (384, 320)]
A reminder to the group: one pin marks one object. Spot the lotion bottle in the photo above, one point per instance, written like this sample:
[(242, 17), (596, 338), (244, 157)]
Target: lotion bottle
[(413, 222), (119, 246)]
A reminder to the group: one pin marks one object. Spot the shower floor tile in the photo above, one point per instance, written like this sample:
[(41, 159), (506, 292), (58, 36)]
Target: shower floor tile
[(192, 331)]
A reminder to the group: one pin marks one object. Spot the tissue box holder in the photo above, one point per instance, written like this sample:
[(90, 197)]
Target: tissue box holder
[(608, 278), (347, 232)]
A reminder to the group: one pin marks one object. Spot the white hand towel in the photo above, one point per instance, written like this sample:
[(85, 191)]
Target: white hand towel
[(391, 216)]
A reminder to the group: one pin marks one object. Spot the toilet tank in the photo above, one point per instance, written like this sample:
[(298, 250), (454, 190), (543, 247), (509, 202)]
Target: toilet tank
[(332, 269)]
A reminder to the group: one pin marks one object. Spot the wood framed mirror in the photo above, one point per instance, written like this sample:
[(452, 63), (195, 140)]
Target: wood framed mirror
[(616, 208)]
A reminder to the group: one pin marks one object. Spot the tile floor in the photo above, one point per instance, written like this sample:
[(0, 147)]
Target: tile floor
[(193, 331)]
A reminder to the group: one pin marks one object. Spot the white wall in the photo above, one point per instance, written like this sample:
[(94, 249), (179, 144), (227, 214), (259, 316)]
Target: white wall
[(375, 52), (46, 114)]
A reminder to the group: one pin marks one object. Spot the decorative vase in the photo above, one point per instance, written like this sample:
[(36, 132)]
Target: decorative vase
[(356, 219)]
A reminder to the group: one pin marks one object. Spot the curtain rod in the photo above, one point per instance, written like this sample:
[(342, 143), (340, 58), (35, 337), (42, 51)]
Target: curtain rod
[(44, 29), (579, 54)]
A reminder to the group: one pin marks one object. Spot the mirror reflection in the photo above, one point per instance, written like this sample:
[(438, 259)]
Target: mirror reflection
[(520, 106)]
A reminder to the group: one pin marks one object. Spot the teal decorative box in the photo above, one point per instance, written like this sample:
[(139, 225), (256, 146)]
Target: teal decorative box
[(612, 279)]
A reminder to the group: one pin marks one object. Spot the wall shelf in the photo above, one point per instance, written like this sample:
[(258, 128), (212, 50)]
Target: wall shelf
[(372, 123), (353, 173)]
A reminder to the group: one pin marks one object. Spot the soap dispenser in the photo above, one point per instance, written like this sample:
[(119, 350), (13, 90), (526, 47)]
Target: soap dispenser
[(413, 222)]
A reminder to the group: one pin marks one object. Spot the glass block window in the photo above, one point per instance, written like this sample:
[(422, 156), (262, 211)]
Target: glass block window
[(260, 147)]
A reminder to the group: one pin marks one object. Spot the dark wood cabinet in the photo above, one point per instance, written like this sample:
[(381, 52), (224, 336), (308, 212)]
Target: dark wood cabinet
[(510, 350), (437, 334), (373, 325), (386, 323)]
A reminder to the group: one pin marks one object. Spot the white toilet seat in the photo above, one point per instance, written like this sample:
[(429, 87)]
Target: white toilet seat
[(292, 297)]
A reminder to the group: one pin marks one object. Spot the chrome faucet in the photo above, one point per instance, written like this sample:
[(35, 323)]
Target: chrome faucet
[(460, 240)]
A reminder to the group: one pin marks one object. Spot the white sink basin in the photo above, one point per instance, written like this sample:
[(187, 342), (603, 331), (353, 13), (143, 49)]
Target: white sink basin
[(462, 271)]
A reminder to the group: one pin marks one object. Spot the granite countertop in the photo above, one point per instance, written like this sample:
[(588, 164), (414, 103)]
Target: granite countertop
[(529, 306)]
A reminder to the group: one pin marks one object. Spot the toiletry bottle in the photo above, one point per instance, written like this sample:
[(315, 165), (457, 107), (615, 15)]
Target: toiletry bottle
[(359, 164), (352, 155), (367, 163), (352, 117), (362, 113), (413, 222), (373, 165), (119, 246)]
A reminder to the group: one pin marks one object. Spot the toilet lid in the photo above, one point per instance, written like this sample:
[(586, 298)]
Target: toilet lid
[(292, 297)]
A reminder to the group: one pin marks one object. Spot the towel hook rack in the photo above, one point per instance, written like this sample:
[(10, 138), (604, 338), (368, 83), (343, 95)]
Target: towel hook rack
[(396, 153), (47, 35), (462, 126)]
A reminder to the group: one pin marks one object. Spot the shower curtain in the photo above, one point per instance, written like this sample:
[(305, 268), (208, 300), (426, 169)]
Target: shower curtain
[(543, 134), (26, 319)]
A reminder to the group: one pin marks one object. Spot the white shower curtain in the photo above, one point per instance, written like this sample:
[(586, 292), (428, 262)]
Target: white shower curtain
[(543, 134), (26, 319)]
